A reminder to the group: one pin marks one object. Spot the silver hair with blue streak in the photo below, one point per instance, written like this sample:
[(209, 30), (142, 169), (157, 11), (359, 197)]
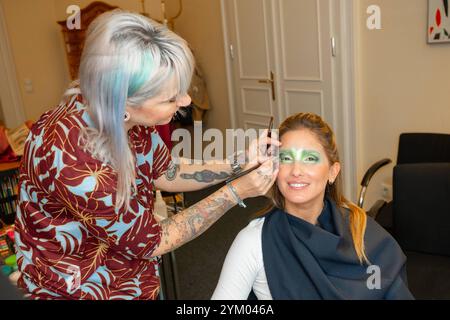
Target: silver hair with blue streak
[(127, 59)]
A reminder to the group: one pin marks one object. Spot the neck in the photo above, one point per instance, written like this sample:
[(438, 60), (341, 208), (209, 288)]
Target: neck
[(306, 211), (128, 126)]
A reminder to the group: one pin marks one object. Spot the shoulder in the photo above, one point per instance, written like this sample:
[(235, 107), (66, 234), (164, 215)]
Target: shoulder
[(253, 230), (145, 139), (248, 240)]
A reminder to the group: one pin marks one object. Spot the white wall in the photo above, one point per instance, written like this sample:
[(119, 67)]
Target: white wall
[(201, 25), (403, 83)]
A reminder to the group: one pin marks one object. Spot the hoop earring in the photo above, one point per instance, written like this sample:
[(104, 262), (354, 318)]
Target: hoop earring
[(127, 117)]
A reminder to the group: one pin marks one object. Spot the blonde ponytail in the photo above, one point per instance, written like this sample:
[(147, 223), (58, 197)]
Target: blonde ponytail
[(358, 222)]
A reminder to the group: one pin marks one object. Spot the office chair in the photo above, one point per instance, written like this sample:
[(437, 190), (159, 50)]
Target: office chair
[(419, 215)]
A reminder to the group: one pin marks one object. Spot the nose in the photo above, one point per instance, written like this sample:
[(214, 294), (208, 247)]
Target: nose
[(297, 169), (184, 101)]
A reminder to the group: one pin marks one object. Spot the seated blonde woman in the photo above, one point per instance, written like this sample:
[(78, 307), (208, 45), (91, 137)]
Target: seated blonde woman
[(314, 243)]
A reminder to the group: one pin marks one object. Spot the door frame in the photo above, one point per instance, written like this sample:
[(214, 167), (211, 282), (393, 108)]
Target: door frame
[(344, 94), (9, 87)]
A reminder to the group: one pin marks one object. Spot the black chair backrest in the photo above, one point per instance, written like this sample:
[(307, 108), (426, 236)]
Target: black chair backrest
[(423, 147)]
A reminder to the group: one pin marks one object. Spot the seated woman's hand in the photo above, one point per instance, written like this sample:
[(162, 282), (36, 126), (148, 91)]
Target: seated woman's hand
[(259, 181)]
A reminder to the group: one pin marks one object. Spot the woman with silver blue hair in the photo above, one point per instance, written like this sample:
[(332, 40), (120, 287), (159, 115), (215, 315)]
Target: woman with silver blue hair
[(85, 227)]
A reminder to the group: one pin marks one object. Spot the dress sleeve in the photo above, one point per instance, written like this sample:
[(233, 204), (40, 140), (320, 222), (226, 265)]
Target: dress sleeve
[(161, 155), (241, 266)]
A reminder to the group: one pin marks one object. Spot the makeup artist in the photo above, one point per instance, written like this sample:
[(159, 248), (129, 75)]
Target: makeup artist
[(85, 227)]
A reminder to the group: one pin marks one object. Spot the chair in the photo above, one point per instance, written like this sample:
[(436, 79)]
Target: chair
[(419, 215)]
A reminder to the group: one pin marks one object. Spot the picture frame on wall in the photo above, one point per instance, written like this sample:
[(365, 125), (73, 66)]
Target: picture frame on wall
[(438, 21)]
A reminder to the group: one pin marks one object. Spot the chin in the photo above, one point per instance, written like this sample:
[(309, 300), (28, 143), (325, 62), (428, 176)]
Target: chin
[(300, 199), (162, 123)]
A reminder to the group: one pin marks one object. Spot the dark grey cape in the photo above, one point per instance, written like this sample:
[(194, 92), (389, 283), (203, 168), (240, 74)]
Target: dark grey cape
[(304, 261)]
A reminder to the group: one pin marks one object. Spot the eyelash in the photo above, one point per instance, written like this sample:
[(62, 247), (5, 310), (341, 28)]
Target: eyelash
[(312, 159), (289, 159)]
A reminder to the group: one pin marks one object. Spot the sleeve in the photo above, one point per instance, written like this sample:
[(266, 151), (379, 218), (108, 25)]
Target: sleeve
[(241, 266), (161, 155)]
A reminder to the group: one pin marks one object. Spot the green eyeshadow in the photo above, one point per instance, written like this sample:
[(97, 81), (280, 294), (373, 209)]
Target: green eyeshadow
[(289, 156)]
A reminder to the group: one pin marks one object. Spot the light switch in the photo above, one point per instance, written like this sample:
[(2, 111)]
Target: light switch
[(28, 85)]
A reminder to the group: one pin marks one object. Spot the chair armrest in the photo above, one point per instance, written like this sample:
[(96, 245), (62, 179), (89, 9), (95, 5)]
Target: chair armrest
[(367, 176), (372, 170)]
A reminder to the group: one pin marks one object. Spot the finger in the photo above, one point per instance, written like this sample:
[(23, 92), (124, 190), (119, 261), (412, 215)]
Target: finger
[(274, 151), (272, 181), (266, 167), (263, 134), (272, 141)]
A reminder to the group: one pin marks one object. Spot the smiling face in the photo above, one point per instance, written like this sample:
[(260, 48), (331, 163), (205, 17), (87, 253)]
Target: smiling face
[(304, 170)]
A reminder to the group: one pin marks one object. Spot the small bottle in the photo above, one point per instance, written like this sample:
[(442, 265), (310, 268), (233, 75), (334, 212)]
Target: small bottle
[(160, 207)]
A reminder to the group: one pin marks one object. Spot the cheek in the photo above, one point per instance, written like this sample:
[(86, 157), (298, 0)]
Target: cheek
[(169, 111), (283, 173), (319, 173)]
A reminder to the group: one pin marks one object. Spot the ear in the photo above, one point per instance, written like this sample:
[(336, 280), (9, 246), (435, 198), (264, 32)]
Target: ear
[(334, 171)]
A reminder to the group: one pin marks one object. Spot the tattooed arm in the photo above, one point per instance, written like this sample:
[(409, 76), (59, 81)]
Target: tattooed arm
[(193, 221), (191, 177), (182, 177)]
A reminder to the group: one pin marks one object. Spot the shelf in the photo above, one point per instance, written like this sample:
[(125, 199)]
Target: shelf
[(8, 166), (9, 174)]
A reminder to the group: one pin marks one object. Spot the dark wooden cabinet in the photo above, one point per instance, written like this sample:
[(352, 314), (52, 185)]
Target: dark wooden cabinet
[(74, 39)]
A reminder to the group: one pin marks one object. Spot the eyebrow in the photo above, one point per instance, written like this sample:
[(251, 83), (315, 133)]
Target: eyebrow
[(304, 150), (311, 151)]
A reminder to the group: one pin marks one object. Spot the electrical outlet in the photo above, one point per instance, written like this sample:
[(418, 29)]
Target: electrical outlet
[(386, 191)]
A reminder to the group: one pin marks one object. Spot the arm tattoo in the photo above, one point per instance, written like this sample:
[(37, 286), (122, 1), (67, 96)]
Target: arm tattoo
[(193, 221), (205, 176), (172, 171)]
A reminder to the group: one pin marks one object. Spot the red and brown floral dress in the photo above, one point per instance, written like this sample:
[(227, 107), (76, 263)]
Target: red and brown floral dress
[(72, 241)]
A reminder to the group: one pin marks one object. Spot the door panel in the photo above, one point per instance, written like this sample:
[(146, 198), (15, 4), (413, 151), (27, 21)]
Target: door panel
[(303, 101), (300, 39), (251, 37), (303, 30)]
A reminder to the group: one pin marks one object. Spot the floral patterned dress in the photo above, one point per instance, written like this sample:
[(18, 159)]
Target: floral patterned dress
[(72, 241)]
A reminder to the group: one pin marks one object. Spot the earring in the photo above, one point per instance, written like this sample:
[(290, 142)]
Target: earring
[(127, 117)]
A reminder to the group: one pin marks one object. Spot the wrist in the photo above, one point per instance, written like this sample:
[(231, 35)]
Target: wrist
[(236, 162), (236, 195)]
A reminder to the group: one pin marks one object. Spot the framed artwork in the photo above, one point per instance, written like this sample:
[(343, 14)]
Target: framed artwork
[(438, 21)]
